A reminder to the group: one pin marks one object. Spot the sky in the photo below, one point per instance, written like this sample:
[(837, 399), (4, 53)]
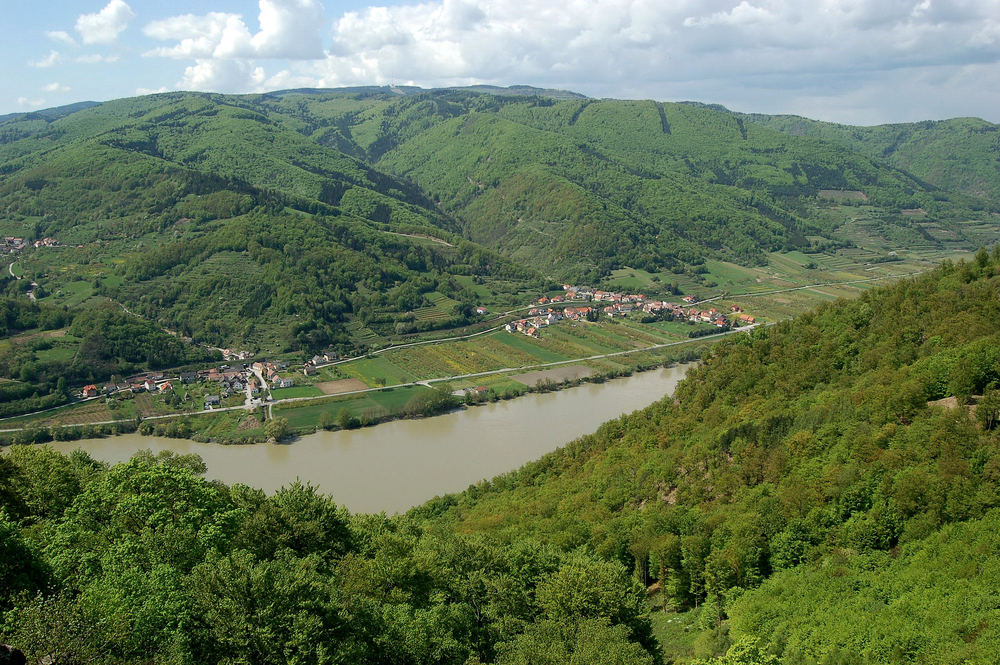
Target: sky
[(850, 61)]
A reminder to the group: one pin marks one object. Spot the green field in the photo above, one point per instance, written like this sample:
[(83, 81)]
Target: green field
[(376, 404), (376, 369), (681, 328), (296, 391)]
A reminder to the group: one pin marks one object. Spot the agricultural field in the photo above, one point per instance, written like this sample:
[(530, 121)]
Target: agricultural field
[(680, 328), (561, 342), (372, 405), (341, 386), (556, 374), (441, 308), (72, 414), (296, 391), (376, 371)]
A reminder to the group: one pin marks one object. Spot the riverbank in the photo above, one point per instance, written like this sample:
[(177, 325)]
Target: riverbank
[(406, 462), (360, 408)]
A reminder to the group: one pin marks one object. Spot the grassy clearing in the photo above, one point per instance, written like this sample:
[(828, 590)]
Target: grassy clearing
[(481, 290), (59, 353), (675, 631), (630, 279), (71, 294), (727, 275)]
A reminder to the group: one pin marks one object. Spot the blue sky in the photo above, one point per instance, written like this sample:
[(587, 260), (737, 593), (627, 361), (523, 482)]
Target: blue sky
[(851, 61)]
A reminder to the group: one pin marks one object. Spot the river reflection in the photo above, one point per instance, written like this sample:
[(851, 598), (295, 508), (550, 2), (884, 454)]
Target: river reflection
[(394, 466)]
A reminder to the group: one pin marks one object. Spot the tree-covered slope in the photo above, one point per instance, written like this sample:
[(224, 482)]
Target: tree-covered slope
[(222, 220), (788, 454), (583, 181), (960, 154), (804, 495), (149, 563), (215, 136), (161, 201)]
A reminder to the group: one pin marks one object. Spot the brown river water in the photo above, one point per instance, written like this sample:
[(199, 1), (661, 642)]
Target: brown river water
[(396, 465)]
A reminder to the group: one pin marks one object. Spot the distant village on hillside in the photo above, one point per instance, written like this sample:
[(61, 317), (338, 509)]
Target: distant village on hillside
[(550, 310)]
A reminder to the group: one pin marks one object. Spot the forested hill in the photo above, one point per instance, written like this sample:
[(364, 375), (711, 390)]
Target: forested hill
[(235, 219), (804, 498), (828, 486), (961, 154)]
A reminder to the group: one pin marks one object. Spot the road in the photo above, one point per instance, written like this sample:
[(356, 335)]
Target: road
[(423, 382), (427, 382)]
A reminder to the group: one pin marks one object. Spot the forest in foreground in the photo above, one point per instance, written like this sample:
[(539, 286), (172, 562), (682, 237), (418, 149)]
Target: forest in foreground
[(823, 491)]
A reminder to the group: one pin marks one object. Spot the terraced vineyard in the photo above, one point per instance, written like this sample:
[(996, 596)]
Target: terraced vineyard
[(441, 308)]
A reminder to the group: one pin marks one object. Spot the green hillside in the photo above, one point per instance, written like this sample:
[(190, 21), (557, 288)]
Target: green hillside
[(959, 155), (803, 498), (223, 221), (294, 220), (611, 183), (801, 471)]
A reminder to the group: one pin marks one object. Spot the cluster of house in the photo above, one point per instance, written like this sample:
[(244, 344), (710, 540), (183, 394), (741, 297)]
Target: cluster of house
[(12, 245), (232, 354), (46, 242), (620, 305), (313, 364), (270, 373), (230, 381), (531, 325)]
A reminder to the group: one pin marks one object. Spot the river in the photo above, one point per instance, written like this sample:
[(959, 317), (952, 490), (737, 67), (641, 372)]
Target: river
[(396, 465)]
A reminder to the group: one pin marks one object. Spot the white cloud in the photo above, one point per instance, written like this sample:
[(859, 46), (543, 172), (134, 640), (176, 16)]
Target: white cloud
[(30, 103), (151, 91), (223, 76), (197, 36), (289, 29), (742, 14), (61, 36), (104, 26), (51, 59), (746, 53), (94, 58), (55, 87)]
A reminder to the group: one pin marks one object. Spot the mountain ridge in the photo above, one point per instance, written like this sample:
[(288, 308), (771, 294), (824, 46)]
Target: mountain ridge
[(571, 189)]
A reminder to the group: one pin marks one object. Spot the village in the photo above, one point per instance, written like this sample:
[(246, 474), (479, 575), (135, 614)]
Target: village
[(13, 245), (251, 381), (249, 384), (551, 310)]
